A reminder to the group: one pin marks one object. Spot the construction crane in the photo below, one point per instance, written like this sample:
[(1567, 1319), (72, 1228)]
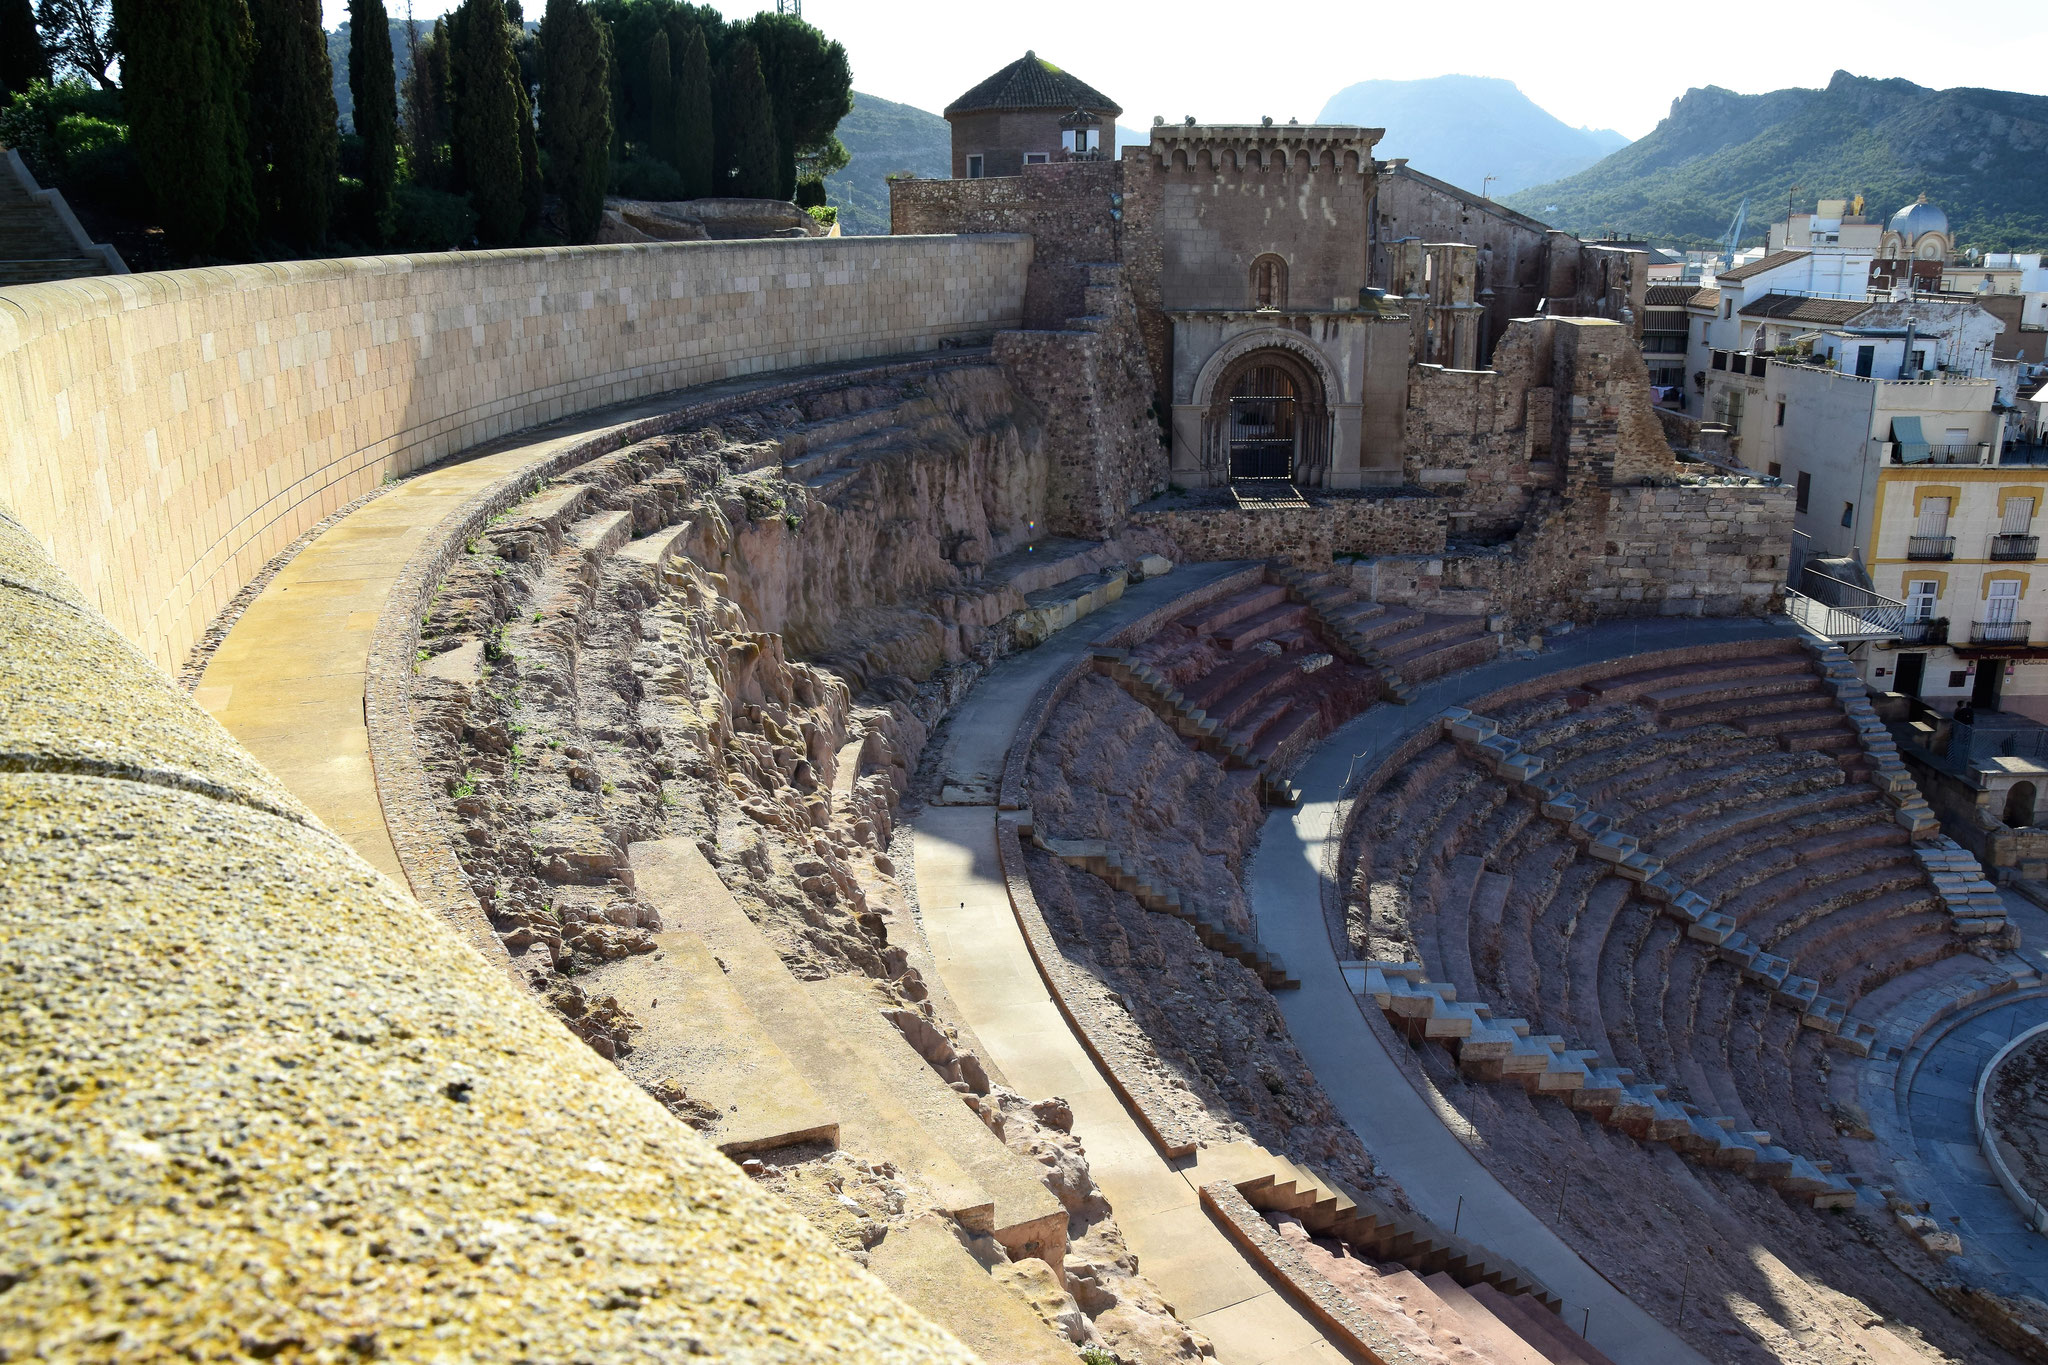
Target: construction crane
[(1734, 239), (793, 8)]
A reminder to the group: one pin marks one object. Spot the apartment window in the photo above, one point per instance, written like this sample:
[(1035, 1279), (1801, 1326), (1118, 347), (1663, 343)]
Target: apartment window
[(1921, 595), (1781, 415), (2018, 519), (1037, 158), (974, 166), (1728, 309), (1848, 514), (1959, 678), (1775, 470), (1804, 486)]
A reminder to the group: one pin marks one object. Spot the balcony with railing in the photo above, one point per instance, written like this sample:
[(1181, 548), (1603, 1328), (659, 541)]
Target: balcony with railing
[(1842, 611), (2015, 547), (2000, 632), (1933, 631), (1930, 547)]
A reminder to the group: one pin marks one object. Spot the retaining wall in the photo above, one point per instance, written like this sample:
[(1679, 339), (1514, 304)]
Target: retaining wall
[(165, 434)]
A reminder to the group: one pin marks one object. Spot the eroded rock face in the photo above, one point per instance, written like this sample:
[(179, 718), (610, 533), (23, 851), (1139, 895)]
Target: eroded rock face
[(1107, 768), (620, 658)]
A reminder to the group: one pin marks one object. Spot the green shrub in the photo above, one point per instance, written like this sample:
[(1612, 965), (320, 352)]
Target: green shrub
[(824, 215), (72, 136), (647, 177), (432, 220)]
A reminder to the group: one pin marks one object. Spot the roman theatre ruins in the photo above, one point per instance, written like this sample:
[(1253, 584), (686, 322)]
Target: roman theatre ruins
[(1166, 763)]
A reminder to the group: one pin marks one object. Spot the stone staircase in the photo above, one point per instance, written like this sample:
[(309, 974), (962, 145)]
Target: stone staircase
[(890, 1103), (1149, 686), (1097, 857), (35, 244), (1407, 647), (1506, 1050), (1386, 1234), (1481, 739)]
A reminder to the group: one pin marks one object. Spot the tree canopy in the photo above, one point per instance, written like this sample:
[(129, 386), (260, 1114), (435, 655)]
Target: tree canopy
[(22, 58), (745, 127), (186, 78), (372, 85), (576, 116), (294, 137), (485, 96), (810, 87)]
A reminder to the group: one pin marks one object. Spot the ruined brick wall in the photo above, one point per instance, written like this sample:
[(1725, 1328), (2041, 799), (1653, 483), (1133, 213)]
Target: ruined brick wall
[(1513, 248), (1694, 550), (1367, 526), (1105, 442), (1468, 436), (1070, 209)]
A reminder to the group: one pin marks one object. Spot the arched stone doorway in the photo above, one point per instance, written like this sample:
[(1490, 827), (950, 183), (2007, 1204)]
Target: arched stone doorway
[(1269, 419), (2019, 806)]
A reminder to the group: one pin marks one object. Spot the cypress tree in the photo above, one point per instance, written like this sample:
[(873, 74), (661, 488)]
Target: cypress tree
[(22, 56), (184, 81), (374, 88), (576, 114), (745, 127), (486, 122), (530, 193), (810, 86), (426, 107), (661, 100), (295, 137), (696, 148)]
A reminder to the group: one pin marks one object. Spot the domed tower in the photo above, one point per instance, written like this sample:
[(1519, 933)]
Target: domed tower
[(1918, 232), (1029, 112)]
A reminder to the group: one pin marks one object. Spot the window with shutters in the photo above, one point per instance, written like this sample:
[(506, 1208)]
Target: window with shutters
[(2015, 538)]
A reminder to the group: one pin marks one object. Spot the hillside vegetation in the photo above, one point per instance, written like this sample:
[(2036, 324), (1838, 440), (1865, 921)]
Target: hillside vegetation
[(880, 138), (1465, 129), (1977, 153)]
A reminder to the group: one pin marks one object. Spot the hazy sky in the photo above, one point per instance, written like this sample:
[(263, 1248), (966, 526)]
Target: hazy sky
[(1613, 66)]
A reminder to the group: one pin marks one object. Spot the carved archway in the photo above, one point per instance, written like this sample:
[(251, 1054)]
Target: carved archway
[(1267, 417), (2019, 805)]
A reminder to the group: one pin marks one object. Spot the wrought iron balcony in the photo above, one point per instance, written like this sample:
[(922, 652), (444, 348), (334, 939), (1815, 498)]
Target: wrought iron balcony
[(1931, 632), (2015, 547), (2000, 632), (1930, 547)]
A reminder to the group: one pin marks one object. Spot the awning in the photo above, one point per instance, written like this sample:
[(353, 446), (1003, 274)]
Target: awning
[(1912, 444)]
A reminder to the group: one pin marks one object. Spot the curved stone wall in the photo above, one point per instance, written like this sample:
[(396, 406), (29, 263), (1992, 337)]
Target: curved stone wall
[(165, 434), (260, 1104)]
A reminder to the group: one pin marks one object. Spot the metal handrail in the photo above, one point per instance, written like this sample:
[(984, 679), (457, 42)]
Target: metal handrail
[(2015, 547), (1930, 547), (2000, 632), (1880, 619)]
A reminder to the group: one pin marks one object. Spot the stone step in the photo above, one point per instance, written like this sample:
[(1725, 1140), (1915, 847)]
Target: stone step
[(1478, 1328), (881, 1089), (601, 535), (697, 1030), (1051, 610), (930, 1268), (1540, 1327)]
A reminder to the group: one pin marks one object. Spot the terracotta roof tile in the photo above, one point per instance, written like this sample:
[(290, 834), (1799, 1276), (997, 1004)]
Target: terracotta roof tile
[(1799, 308), (1770, 262), (1031, 82)]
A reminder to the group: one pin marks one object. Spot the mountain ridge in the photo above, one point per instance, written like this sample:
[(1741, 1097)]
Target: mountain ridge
[(1974, 151), (1469, 130)]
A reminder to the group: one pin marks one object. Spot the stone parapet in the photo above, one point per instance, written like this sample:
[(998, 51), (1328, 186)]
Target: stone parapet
[(232, 1044), (165, 434)]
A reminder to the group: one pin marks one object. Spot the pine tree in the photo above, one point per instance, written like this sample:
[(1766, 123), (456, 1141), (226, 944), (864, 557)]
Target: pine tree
[(745, 127), (184, 83), (486, 122), (661, 99), (374, 89), (810, 85), (696, 147), (22, 57), (295, 136), (576, 114)]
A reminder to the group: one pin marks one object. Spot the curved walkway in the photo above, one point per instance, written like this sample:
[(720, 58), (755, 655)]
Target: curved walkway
[(289, 679), (986, 968), (1941, 1106), (1406, 1133)]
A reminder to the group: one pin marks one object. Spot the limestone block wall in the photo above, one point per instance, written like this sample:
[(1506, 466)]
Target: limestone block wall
[(1693, 550), (1366, 526), (163, 435), (232, 1044)]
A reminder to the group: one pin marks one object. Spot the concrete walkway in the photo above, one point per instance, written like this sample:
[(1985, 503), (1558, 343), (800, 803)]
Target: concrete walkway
[(1943, 1107), (1406, 1131), (987, 970)]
